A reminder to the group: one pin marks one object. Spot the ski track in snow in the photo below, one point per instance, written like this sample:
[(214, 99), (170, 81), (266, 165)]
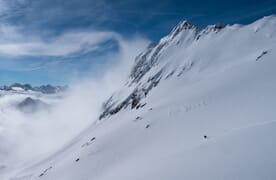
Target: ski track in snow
[(186, 108)]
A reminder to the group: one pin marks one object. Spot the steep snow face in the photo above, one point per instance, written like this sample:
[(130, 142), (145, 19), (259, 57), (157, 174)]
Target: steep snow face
[(183, 32), (191, 53), (198, 105)]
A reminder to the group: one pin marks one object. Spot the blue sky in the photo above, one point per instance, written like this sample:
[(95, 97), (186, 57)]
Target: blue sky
[(54, 41)]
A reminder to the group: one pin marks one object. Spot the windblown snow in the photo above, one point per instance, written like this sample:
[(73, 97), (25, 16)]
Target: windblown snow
[(200, 104)]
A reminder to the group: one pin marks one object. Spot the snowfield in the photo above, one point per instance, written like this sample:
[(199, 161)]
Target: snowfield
[(198, 105)]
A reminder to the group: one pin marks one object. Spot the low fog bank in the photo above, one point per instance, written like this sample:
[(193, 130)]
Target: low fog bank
[(27, 137)]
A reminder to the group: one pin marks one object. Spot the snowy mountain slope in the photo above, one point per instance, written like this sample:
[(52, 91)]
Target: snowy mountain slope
[(199, 105), (187, 51)]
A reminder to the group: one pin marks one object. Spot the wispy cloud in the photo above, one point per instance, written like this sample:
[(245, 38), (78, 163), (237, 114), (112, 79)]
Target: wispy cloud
[(14, 43)]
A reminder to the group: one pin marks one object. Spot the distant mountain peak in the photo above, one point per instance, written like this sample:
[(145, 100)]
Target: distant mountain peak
[(30, 105), (45, 89)]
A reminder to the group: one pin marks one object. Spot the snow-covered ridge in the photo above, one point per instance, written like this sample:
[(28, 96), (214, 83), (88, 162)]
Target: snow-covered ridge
[(191, 52)]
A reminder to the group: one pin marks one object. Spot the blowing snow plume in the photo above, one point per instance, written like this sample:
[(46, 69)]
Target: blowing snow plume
[(70, 112)]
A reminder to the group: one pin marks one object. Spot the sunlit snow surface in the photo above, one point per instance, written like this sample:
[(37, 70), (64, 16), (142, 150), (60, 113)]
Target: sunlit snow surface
[(216, 120)]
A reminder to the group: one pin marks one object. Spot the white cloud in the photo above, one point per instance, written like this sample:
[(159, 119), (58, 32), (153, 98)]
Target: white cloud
[(15, 43)]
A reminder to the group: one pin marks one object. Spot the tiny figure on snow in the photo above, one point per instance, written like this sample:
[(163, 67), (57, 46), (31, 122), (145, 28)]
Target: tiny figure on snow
[(147, 126)]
